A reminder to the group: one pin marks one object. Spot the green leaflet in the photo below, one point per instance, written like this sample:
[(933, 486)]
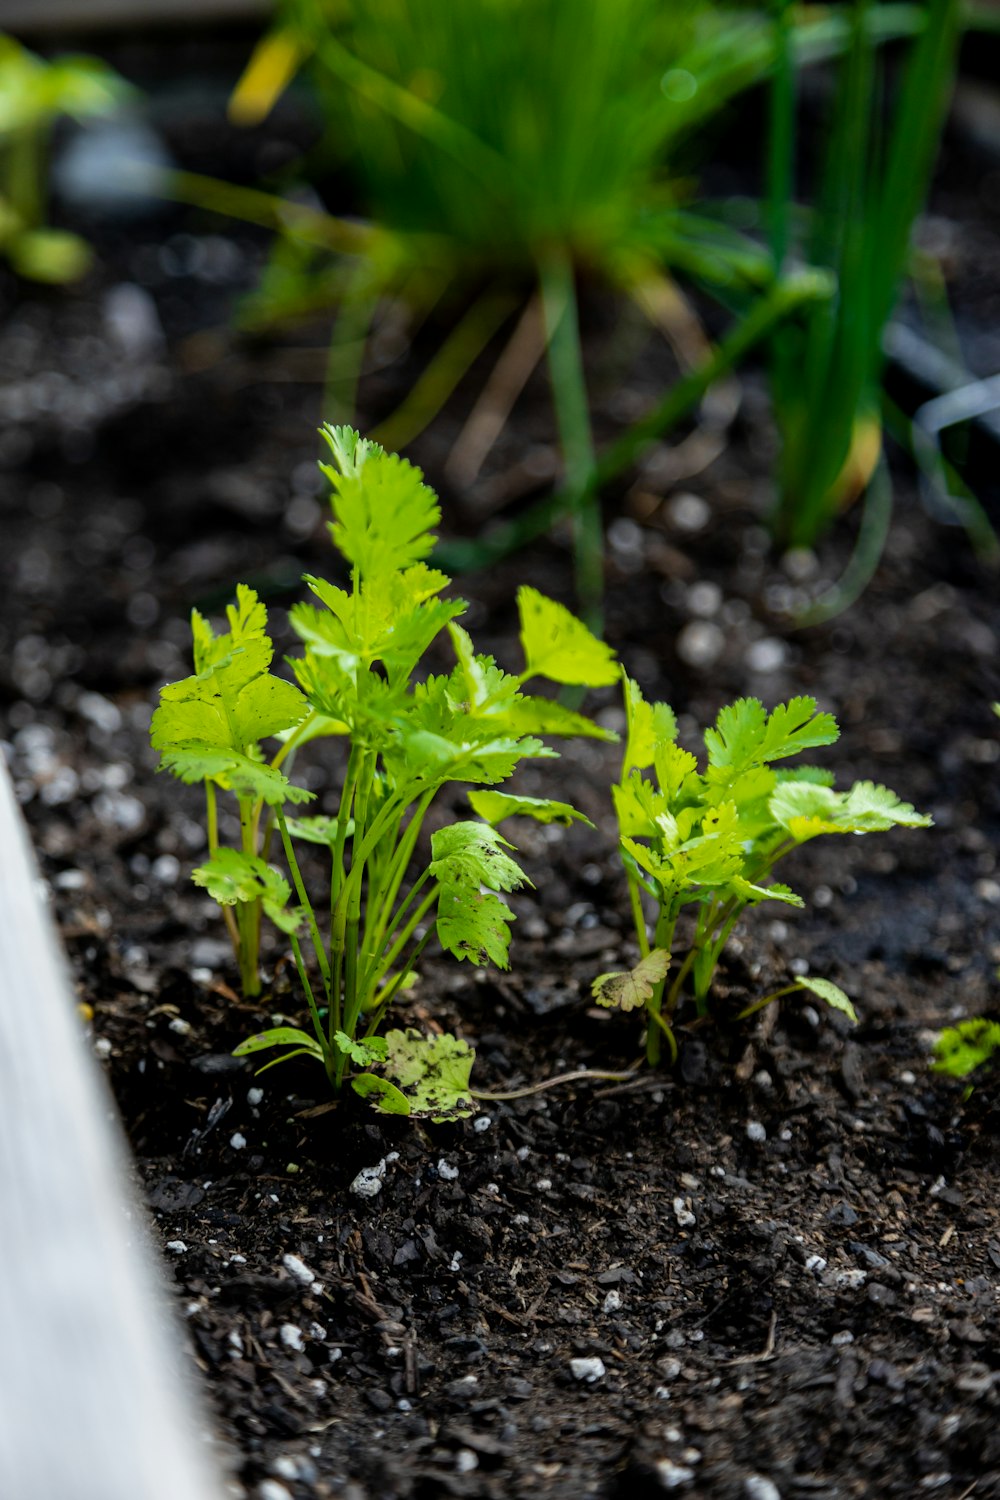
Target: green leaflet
[(473, 854), (474, 925), (961, 1049), (831, 993), (710, 839), (230, 877), (806, 810), (384, 514), (432, 1073), (496, 806), (559, 646), (235, 773)]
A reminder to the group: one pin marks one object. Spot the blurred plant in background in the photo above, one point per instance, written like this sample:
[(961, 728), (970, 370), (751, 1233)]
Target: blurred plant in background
[(508, 150), (34, 94), (877, 154)]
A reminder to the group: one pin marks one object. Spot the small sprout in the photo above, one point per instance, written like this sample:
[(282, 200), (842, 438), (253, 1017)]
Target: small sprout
[(961, 1049), (710, 840)]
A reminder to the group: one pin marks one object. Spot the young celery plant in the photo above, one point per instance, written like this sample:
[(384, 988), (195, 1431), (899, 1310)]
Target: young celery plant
[(710, 840), (407, 738)]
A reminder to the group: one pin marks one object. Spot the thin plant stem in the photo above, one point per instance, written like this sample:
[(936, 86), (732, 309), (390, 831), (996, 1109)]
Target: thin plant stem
[(212, 829), (304, 902)]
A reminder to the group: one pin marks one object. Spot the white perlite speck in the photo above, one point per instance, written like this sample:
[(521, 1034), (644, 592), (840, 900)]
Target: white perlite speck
[(757, 1487), (254, 1096), (589, 1370), (368, 1183), (756, 1131), (291, 1337), (298, 1269), (685, 1218), (177, 1247), (613, 1301), (270, 1489), (238, 1141), (671, 1475), (446, 1172)]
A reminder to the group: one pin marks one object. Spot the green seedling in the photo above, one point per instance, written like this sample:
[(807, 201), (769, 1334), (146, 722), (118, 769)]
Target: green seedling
[(407, 736), (960, 1050), (710, 839), (34, 94)]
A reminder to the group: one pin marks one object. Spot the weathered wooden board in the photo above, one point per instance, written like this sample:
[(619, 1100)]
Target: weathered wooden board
[(93, 1405), (85, 15)]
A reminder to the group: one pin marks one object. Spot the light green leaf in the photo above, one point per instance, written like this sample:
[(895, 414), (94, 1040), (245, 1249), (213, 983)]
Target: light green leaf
[(472, 854), (806, 809), (318, 830), (387, 1098), (546, 716), (633, 988), (831, 993), (237, 773), (746, 736), (559, 646), (961, 1049), (433, 1073), (753, 894), (496, 806), (383, 512), (363, 1053), (649, 725), (231, 877), (474, 925), (279, 1036)]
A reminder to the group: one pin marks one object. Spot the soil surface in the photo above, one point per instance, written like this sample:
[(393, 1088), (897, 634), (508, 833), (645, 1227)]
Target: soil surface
[(769, 1273)]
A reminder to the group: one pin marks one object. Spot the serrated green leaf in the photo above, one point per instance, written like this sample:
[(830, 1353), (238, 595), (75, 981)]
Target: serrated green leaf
[(496, 806), (363, 1053), (475, 925), (231, 877), (831, 993), (433, 1073), (236, 773), (384, 514), (546, 716), (807, 810), (753, 894), (649, 726), (961, 1049), (746, 736), (318, 830), (559, 646), (473, 854), (634, 987)]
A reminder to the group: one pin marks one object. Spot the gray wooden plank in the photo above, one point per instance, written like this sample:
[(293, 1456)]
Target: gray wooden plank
[(93, 1401), (88, 15)]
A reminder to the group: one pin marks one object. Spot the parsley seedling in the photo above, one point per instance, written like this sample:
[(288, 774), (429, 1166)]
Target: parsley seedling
[(406, 739), (711, 839)]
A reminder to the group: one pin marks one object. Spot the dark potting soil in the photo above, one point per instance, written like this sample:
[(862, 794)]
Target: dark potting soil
[(770, 1272)]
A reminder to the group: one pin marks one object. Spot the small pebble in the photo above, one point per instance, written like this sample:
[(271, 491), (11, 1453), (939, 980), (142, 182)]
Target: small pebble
[(102, 1047), (270, 1489), (756, 1487), (756, 1131), (180, 1026), (544, 1184), (612, 1301), (590, 1370), (766, 655), (688, 512), (700, 644), (368, 1183), (685, 1218)]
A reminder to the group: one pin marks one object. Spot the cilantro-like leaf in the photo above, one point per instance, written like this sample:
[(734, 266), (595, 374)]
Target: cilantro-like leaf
[(496, 806), (432, 1072), (806, 810), (383, 512), (473, 854), (746, 736), (363, 1053), (231, 877), (649, 727), (475, 925), (559, 646), (634, 987)]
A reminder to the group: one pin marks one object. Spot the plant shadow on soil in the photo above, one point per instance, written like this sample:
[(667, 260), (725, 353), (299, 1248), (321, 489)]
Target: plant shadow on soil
[(784, 1259)]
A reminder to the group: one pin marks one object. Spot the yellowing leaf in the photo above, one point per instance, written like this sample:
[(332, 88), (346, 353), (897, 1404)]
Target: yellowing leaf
[(634, 987), (559, 646)]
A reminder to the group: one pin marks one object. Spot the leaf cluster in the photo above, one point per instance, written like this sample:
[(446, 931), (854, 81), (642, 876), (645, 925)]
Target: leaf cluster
[(709, 838), (405, 736)]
